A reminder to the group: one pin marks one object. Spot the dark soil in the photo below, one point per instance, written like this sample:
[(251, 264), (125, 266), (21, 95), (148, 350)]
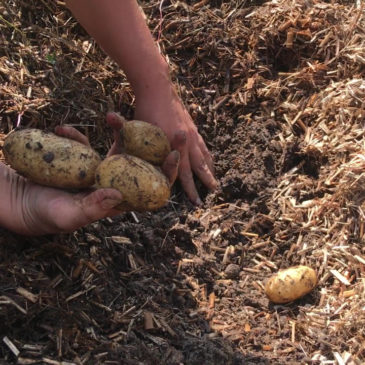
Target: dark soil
[(166, 264)]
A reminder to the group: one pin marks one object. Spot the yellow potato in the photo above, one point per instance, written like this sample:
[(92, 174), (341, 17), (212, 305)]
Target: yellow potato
[(51, 160), (143, 186), (145, 141), (290, 284)]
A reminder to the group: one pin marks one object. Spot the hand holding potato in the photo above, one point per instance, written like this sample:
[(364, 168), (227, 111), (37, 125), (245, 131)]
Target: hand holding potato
[(170, 164), (130, 43), (32, 209), (163, 108)]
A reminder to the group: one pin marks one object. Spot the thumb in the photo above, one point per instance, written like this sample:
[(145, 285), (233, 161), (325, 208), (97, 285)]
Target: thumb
[(100, 204), (171, 165)]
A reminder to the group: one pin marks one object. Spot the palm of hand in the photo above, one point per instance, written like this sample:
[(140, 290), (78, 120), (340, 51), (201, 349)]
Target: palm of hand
[(54, 210)]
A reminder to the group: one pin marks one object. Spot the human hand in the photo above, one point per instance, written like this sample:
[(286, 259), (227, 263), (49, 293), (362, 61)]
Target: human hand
[(131, 45), (171, 163), (32, 209), (164, 109)]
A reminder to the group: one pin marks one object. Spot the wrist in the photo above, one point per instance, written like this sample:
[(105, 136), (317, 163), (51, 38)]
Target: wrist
[(12, 195), (151, 81), (19, 211)]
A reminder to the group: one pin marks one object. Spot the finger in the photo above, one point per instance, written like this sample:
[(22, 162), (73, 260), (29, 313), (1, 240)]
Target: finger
[(187, 181), (72, 133), (115, 149), (207, 155), (170, 166), (179, 141), (201, 169), (100, 204), (115, 121)]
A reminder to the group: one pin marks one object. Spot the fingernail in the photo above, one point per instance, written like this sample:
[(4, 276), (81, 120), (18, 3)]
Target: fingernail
[(198, 201), (215, 184), (110, 203), (176, 156)]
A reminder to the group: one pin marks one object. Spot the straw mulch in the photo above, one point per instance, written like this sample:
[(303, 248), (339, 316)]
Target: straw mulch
[(277, 91)]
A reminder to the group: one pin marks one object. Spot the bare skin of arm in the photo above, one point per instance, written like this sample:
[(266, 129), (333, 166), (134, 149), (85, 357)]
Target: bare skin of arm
[(120, 29)]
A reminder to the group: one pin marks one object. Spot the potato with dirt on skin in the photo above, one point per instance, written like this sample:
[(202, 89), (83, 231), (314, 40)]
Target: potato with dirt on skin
[(51, 160), (146, 141), (290, 284), (143, 186)]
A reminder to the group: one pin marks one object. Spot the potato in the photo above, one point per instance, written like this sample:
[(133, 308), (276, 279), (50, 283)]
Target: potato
[(290, 284), (143, 186), (51, 160), (145, 141)]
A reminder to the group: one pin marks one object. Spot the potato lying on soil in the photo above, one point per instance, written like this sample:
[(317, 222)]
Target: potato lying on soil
[(143, 186), (145, 141), (51, 160), (290, 284)]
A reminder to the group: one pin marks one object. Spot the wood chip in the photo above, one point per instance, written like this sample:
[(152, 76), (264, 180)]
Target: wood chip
[(26, 361), (148, 321), (135, 217), (27, 294), (5, 300), (340, 277), (211, 300), (11, 346), (121, 240), (74, 296), (360, 259)]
